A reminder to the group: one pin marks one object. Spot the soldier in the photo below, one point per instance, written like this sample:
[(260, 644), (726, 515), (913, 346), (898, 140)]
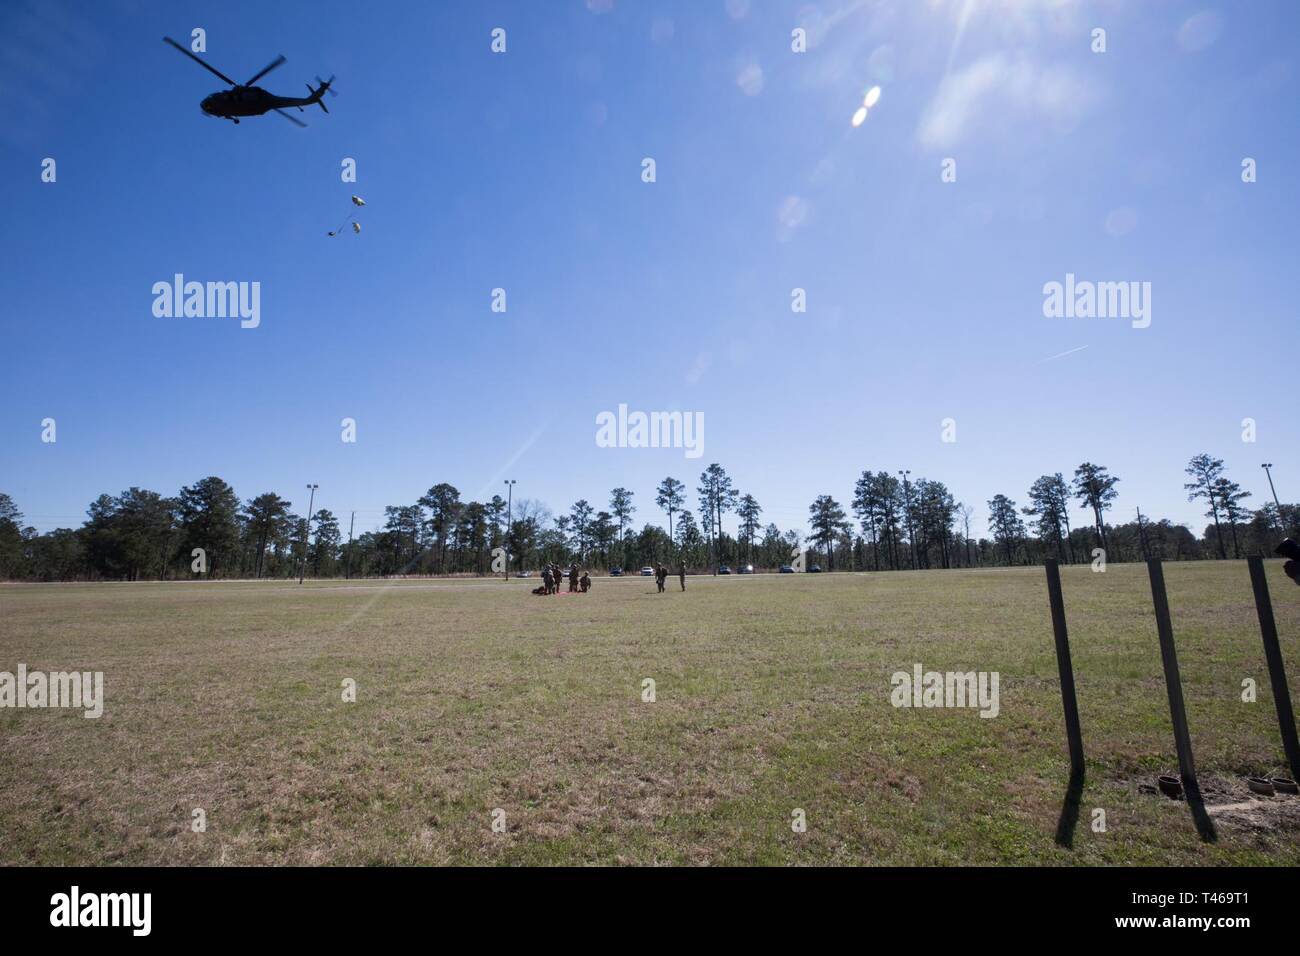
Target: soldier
[(661, 575), (585, 582), (681, 574), (573, 578), (547, 581)]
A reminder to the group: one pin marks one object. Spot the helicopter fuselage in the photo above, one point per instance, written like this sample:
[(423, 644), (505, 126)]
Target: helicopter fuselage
[(249, 101), (245, 99)]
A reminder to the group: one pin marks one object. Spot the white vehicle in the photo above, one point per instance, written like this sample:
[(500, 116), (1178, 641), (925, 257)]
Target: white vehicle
[(647, 572)]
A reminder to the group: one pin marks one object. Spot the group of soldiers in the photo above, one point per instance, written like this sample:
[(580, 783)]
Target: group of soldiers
[(661, 575), (553, 576)]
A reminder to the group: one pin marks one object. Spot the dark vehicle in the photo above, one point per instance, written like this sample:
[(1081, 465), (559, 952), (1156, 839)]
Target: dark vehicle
[(746, 569), (245, 99), (815, 569), (786, 569), (615, 572), (724, 570)]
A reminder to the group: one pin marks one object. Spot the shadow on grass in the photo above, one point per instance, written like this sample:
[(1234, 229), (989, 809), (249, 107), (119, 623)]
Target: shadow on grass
[(1069, 818), (1200, 816)]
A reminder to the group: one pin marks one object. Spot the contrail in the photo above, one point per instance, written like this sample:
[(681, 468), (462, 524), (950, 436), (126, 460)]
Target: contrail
[(388, 585), (514, 458), (1061, 355)]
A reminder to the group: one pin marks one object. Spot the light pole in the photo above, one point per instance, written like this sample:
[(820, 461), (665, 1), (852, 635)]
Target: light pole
[(510, 502), (351, 524), (1276, 503), (306, 531), (1270, 485), (907, 499)]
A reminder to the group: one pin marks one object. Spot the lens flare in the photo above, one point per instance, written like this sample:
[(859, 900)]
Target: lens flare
[(872, 97), (860, 116)]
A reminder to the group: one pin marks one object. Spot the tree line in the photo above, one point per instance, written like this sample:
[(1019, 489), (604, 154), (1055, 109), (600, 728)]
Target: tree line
[(902, 523)]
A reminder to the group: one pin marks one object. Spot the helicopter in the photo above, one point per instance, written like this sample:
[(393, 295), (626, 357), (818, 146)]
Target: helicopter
[(245, 99)]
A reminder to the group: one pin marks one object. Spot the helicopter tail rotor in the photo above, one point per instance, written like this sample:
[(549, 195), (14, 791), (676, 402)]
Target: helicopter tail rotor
[(322, 87)]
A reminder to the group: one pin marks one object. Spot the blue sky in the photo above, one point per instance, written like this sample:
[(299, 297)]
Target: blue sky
[(523, 171)]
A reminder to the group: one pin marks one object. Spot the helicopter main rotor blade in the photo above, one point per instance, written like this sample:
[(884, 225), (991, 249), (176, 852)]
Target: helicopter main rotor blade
[(268, 68), (296, 122), (209, 68)]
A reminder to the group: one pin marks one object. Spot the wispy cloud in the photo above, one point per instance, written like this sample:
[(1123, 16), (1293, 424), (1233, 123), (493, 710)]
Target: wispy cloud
[(999, 89)]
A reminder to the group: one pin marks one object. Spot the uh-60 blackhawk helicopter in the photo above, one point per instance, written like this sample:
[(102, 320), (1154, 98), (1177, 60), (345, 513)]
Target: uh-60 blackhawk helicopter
[(245, 99)]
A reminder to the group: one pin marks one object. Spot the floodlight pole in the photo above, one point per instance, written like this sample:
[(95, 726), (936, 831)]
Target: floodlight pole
[(510, 499), (306, 532), (907, 498), (351, 523), (1268, 471)]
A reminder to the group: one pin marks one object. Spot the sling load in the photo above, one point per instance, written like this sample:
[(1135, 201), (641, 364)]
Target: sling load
[(356, 226)]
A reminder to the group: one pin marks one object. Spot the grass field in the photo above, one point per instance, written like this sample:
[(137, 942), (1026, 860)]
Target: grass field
[(772, 693)]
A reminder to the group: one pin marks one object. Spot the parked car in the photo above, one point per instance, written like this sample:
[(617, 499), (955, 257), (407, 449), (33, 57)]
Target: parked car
[(615, 572), (725, 569), (524, 574), (786, 569), (815, 569), (746, 569), (647, 572)]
